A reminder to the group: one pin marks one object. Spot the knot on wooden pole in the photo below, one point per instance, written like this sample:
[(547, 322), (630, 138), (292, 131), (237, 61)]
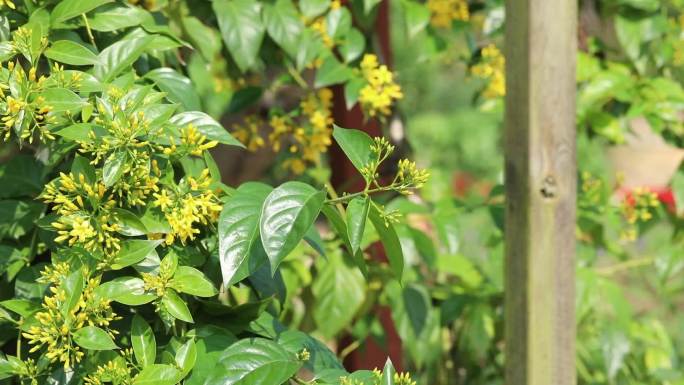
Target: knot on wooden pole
[(549, 187)]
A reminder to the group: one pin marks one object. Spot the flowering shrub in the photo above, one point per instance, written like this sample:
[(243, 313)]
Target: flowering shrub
[(125, 259)]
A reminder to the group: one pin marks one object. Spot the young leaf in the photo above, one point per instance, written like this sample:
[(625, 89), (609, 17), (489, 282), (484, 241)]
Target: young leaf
[(67, 9), (355, 144), (186, 356), (357, 214), (73, 286), (241, 29), (332, 72), (388, 373), (69, 52), (93, 338), (176, 306), (238, 231), (390, 241), (192, 281), (288, 212), (205, 124), (133, 251), (143, 342), (256, 361), (158, 374)]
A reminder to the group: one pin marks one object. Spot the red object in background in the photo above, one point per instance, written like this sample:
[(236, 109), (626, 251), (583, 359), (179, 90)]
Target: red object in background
[(346, 178)]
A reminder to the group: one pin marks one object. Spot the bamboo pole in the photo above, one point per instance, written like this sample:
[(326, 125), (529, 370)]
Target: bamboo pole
[(540, 191)]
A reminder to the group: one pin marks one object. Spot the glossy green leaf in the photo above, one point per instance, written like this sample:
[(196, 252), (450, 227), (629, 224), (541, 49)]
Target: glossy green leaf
[(283, 25), (192, 281), (416, 17), (22, 307), (390, 241), (175, 305), (158, 374), (313, 8), (352, 46), (238, 229), (241, 29), (129, 223), (178, 88), (69, 52), (63, 100), (309, 48), (7, 51), (93, 338), (143, 342), (332, 72), (80, 132), (255, 361), (133, 251), (186, 356), (338, 22), (120, 56), (288, 212), (357, 215), (207, 125), (73, 287), (67, 9), (126, 290), (388, 373), (355, 144), (352, 89), (339, 291), (114, 167), (114, 17)]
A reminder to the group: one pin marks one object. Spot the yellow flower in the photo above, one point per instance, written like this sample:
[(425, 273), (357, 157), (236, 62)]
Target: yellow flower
[(249, 133), (7, 3), (380, 92), (443, 12), (492, 69)]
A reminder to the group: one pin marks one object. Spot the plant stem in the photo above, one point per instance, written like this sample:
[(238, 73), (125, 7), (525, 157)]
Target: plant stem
[(90, 32), (296, 76), (639, 262), (349, 197)]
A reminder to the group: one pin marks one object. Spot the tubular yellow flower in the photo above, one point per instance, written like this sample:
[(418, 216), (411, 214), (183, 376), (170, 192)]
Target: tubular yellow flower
[(380, 91)]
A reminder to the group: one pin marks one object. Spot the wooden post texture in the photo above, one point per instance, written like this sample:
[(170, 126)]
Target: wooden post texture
[(541, 42)]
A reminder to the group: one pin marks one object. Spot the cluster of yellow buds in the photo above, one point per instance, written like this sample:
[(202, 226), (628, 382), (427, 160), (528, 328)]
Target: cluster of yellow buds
[(592, 190), (444, 12), (381, 149), (65, 79), (192, 204), (321, 29), (24, 42), (86, 217), (192, 142), (410, 176), (491, 68), (54, 330), (7, 3), (156, 283), (249, 134), (637, 207), (116, 371), (380, 92)]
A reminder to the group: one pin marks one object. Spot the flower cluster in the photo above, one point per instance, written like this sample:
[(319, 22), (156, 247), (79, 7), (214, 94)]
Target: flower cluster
[(491, 68), (637, 207), (443, 12), (248, 133), (55, 326), (117, 371), (191, 203), (398, 379), (380, 92)]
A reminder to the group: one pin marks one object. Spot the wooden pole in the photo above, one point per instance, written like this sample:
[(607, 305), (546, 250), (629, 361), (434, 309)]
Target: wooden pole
[(540, 191)]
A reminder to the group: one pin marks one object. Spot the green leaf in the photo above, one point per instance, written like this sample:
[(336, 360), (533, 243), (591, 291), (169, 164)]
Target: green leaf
[(390, 241), (357, 215), (241, 29), (178, 88), (67, 9), (129, 223), (332, 72), (7, 51), (416, 17), (93, 338), (73, 286), (186, 356), (283, 25), (22, 175), (368, 6), (143, 342), (352, 89), (158, 374), (309, 48), (114, 167), (238, 232), (388, 373), (353, 45), (244, 98), (69, 52), (339, 291), (356, 145), (192, 281), (23, 307), (205, 39), (133, 251), (120, 56), (288, 212), (80, 132), (338, 22), (255, 361), (176, 306), (126, 290), (207, 125), (313, 8), (63, 100), (117, 16), (322, 358)]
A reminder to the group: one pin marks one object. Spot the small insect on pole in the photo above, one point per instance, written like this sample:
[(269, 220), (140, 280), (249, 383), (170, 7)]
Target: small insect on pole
[(540, 191)]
